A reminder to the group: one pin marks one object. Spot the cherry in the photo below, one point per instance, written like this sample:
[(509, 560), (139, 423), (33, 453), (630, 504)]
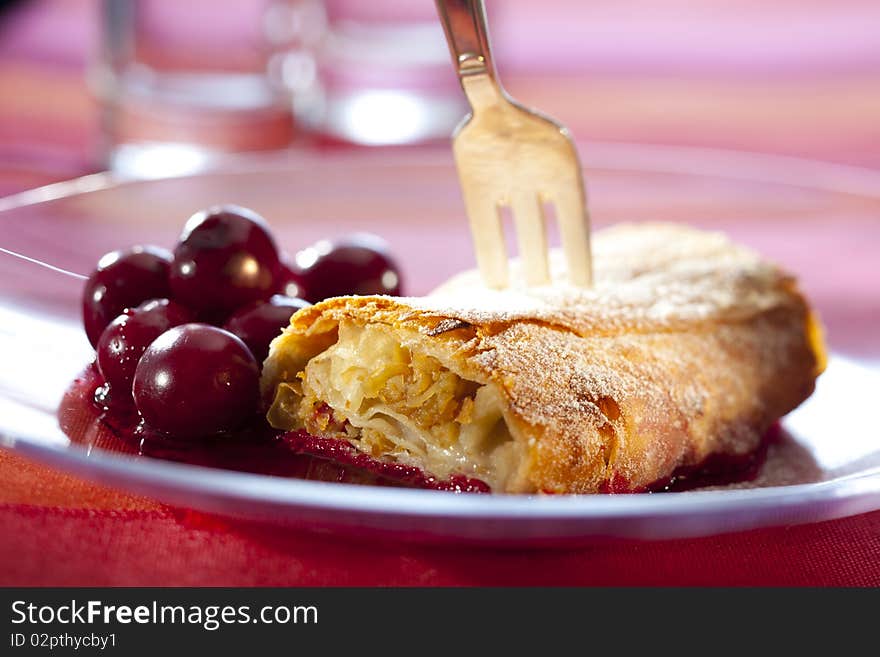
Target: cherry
[(123, 279), (259, 324), (359, 264), (292, 280), (196, 380), (127, 337), (225, 259)]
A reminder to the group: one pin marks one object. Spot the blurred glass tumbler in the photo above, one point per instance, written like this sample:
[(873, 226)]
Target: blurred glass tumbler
[(182, 83), (382, 75)]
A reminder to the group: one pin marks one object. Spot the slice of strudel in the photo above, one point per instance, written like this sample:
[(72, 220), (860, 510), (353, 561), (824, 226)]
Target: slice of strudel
[(688, 346)]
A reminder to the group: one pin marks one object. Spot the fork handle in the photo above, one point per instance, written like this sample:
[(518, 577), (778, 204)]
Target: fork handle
[(464, 22)]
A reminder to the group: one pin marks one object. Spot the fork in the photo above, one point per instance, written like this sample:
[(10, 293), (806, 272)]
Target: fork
[(508, 155)]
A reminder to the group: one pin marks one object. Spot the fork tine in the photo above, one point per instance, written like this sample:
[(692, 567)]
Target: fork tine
[(574, 227), (503, 146), (488, 238), (531, 235)]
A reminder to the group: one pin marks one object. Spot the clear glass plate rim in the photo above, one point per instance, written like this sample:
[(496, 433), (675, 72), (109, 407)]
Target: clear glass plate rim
[(633, 157)]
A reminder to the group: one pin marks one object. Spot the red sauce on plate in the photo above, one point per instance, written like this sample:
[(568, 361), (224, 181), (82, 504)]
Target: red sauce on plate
[(720, 469), (297, 454), (258, 448)]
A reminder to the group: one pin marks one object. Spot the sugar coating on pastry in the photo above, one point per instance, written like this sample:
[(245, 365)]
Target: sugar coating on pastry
[(686, 346), (651, 276)]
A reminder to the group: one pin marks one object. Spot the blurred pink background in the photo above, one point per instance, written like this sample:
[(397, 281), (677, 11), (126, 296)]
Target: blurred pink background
[(789, 77), (796, 77)]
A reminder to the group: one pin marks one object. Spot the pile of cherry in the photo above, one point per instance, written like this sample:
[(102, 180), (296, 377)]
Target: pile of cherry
[(181, 336)]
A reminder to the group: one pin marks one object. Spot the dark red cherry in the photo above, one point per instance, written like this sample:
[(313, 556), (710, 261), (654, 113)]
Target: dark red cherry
[(126, 338), (259, 324), (196, 380), (225, 259), (292, 280), (123, 279), (359, 264)]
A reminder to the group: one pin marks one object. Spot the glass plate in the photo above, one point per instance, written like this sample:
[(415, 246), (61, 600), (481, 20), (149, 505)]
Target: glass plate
[(827, 466)]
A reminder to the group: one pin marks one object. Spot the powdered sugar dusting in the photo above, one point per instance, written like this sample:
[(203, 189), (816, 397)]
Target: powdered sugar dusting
[(647, 276)]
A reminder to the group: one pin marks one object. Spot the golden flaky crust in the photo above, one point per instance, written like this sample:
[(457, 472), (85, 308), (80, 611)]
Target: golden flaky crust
[(686, 346)]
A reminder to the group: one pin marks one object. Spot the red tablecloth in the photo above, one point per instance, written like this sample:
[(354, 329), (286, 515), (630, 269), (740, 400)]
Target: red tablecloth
[(59, 530)]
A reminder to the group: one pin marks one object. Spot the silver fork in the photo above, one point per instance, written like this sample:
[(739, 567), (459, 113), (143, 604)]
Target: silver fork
[(511, 156)]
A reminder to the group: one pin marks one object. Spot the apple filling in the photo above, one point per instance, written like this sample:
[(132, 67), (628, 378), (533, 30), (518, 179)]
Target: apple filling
[(393, 401)]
